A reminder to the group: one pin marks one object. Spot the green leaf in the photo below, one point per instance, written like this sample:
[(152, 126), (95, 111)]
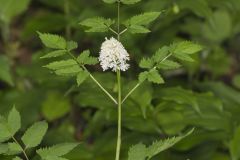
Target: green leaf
[(69, 71), (130, 1), (53, 41), (54, 54), (55, 106), (219, 28), (141, 152), (82, 76), (56, 151), (142, 19), (155, 77), (162, 145), (71, 45), (34, 135), (5, 70), (3, 148), (14, 148), (161, 54), (183, 57), (146, 63), (186, 47), (168, 64), (85, 58), (61, 64), (110, 1), (97, 24), (9, 9), (143, 76), (138, 29), (14, 121), (5, 131), (234, 145), (17, 158), (137, 152)]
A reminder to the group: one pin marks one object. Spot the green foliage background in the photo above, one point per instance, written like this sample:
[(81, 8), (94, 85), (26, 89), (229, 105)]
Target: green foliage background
[(204, 95)]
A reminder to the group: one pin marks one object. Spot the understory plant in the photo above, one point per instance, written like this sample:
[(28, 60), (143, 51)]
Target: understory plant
[(114, 57), (10, 145)]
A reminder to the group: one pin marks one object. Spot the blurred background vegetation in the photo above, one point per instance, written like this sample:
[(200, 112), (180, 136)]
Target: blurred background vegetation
[(204, 95)]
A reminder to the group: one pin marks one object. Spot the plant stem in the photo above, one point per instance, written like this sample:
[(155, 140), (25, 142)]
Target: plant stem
[(94, 79), (119, 115), (130, 92), (23, 150), (67, 16), (119, 141), (112, 30), (138, 84), (118, 20)]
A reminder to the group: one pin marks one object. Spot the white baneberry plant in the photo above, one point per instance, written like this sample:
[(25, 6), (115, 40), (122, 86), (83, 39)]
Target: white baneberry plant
[(115, 57), (10, 145)]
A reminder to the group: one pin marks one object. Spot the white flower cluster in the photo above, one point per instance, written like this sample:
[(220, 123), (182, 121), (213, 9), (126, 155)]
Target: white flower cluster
[(113, 55)]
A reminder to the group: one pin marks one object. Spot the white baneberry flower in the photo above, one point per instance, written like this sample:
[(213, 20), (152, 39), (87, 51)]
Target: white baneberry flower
[(113, 55)]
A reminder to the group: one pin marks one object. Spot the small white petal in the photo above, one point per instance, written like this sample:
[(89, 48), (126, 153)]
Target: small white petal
[(113, 55)]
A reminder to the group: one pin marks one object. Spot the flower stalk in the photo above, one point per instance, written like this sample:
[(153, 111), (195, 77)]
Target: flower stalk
[(119, 139)]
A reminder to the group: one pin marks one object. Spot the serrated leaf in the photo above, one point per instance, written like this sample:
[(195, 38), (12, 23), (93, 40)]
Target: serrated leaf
[(142, 19), (98, 24), (14, 121), (110, 1), (138, 29), (69, 71), (85, 58), (155, 77), (143, 76), (54, 54), (61, 64), (34, 135), (162, 145), (130, 1), (53, 41), (161, 54), (168, 64), (71, 45), (187, 47), (146, 63), (56, 151), (5, 131), (3, 148), (13, 149), (141, 152), (137, 152), (82, 76), (183, 57)]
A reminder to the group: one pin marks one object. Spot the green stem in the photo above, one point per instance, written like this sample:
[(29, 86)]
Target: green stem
[(94, 79), (131, 91), (119, 115), (119, 141), (23, 150), (67, 16), (118, 20), (138, 84)]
